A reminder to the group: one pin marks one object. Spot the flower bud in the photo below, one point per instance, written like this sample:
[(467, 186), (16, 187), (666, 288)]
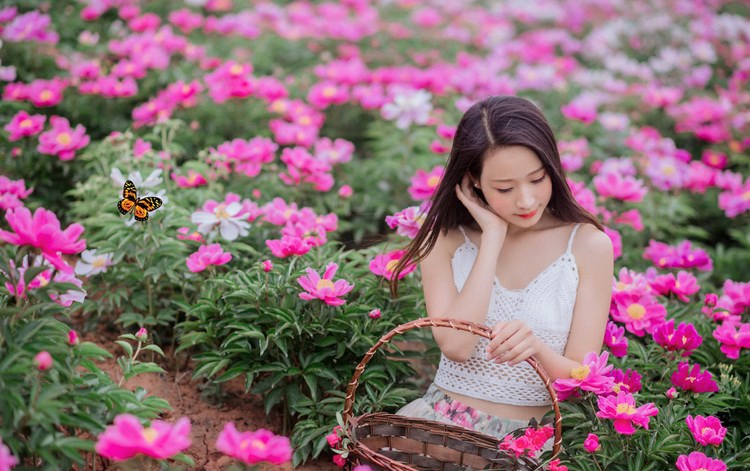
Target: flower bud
[(671, 393), (374, 314), (267, 265), (591, 444), (43, 361), (142, 334), (73, 338), (345, 191)]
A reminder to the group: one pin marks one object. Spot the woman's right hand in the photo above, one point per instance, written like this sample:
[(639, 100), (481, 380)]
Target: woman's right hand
[(487, 219)]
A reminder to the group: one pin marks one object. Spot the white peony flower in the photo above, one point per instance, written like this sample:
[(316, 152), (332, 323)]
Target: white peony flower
[(93, 264), (225, 218)]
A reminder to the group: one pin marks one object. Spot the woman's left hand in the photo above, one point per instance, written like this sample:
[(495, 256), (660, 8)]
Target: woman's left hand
[(511, 342)]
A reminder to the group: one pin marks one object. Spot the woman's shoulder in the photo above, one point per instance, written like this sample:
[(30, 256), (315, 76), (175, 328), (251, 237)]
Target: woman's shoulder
[(592, 245), (448, 242)]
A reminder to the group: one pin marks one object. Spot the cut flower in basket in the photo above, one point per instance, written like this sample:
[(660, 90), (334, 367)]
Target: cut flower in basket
[(529, 444), (592, 376)]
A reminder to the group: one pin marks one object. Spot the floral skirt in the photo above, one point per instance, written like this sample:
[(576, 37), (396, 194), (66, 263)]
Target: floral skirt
[(438, 406)]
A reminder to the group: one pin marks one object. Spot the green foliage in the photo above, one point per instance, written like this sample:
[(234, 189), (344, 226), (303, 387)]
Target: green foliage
[(299, 355), (50, 419)]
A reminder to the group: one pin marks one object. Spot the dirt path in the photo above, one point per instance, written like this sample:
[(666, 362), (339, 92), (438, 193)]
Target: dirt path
[(207, 415)]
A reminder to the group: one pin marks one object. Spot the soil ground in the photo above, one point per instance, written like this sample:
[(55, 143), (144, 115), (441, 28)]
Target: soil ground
[(207, 413)]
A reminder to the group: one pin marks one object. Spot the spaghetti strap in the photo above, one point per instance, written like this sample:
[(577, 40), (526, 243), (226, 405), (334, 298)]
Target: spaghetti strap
[(461, 228), (572, 234)]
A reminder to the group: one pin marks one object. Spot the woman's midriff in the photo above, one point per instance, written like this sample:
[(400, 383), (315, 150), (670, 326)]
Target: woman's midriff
[(507, 411)]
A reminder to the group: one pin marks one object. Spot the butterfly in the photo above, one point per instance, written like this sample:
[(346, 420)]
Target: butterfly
[(139, 206)]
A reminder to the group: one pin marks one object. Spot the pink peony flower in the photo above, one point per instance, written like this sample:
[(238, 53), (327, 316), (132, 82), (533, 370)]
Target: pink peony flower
[(733, 337), (73, 338), (206, 256), (254, 447), (384, 264), (407, 221), (684, 338), (42, 230), (706, 430), (374, 314), (614, 338), (43, 361), (424, 184), (7, 460), (288, 245), (692, 379), (24, 125), (621, 187), (142, 334), (127, 438), (697, 461), (192, 180), (641, 314), (628, 381), (267, 265), (324, 288), (590, 376), (681, 256), (61, 140), (683, 285), (621, 409), (591, 444)]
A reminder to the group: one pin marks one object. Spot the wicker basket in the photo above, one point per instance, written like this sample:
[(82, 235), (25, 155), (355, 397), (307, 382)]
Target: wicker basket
[(394, 442)]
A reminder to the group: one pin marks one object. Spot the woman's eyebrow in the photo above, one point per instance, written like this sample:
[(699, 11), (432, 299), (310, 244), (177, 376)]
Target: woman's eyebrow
[(511, 179)]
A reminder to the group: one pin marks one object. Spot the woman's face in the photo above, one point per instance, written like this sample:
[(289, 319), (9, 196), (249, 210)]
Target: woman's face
[(516, 185)]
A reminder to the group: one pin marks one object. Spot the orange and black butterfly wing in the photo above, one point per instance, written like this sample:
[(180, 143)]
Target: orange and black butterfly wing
[(144, 205), (129, 198)]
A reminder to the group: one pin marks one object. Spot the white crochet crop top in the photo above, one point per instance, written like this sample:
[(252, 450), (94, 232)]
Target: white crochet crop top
[(545, 305)]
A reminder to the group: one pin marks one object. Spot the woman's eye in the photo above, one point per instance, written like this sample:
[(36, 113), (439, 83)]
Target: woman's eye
[(503, 190), (539, 180)]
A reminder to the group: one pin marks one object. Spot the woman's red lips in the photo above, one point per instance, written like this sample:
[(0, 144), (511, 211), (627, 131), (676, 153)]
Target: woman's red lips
[(528, 215)]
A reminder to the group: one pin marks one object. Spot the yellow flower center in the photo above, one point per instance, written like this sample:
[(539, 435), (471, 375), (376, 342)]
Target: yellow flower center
[(287, 213), (26, 123), (706, 430), (746, 195), (221, 213), (328, 92), (99, 262), (323, 283), (390, 266), (662, 261), (433, 181), (621, 286), (734, 146), (668, 170), (625, 409), (258, 444), (149, 434), (45, 95), (581, 372), (636, 311), (236, 69), (305, 120), (278, 106), (63, 139)]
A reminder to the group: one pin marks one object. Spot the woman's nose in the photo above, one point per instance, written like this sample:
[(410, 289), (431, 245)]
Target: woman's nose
[(525, 198)]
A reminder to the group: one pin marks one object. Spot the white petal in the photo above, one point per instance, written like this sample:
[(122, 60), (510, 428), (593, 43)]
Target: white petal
[(117, 176), (202, 217), (153, 179), (83, 269), (229, 230)]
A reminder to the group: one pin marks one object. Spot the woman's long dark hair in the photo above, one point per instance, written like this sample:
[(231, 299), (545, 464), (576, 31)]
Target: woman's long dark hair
[(495, 122)]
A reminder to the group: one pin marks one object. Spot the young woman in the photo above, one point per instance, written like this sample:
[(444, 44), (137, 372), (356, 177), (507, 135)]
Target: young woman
[(506, 245)]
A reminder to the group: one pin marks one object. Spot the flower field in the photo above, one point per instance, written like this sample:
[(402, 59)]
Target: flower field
[(220, 190)]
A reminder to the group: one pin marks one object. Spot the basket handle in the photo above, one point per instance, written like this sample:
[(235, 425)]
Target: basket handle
[(456, 324)]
